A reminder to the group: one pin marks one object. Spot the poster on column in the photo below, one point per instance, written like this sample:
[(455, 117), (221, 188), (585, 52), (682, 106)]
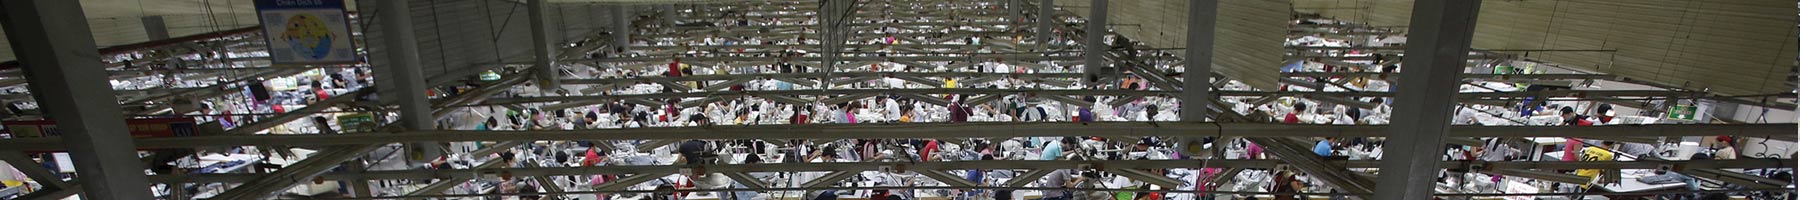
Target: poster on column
[(306, 32)]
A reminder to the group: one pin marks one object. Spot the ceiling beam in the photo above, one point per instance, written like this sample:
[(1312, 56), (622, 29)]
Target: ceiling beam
[(926, 130), (957, 57), (746, 179), (444, 184), (289, 116), (266, 185), (945, 177), (1147, 177), (1577, 94), (1738, 178), (1028, 177), (626, 182), (830, 179), (31, 169), (1034, 167), (1543, 175)]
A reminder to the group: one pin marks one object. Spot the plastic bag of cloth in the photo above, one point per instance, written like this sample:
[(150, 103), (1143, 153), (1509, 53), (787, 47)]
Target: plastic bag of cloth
[(1665, 178)]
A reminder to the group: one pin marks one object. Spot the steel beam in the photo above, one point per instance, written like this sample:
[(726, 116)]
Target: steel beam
[(1147, 177), (211, 91), (1464, 76), (303, 171), (926, 130), (34, 170), (548, 184), (1222, 177), (921, 80), (622, 183), (1037, 168), (1028, 177), (1543, 175), (830, 179), (747, 180), (1740, 179), (908, 48), (53, 43), (290, 116), (1324, 98), (479, 94), (946, 178), (846, 98), (929, 99), (445, 184), (895, 13), (1576, 94), (653, 144), (1437, 48), (947, 57)]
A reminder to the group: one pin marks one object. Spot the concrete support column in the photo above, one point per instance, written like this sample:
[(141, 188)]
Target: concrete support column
[(1196, 94), (593, 14), (155, 28), (549, 76), (1015, 11), (359, 187), (670, 17), (1094, 48), (832, 36), (1436, 50), (1046, 18), (621, 27), (407, 88), (52, 41)]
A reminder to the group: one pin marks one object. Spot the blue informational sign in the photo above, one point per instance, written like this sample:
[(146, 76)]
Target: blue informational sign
[(306, 31)]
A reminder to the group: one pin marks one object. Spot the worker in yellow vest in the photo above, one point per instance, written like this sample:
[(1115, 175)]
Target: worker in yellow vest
[(1593, 154)]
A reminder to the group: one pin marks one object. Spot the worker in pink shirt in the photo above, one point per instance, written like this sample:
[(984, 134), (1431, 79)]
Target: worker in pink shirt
[(1254, 151)]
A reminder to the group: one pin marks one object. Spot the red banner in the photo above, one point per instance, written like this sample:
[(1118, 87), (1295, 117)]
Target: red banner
[(142, 128)]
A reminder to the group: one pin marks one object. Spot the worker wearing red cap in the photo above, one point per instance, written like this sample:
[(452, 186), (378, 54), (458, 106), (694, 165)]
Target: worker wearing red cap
[(1727, 148)]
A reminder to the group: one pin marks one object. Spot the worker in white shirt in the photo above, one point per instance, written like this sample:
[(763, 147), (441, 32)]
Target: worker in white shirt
[(1155, 113), (1726, 148), (1343, 116), (892, 108), (1495, 149)]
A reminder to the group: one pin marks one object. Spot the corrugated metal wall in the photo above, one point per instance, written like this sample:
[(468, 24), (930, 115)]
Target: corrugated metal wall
[(457, 35), (184, 25), (114, 31), (1248, 40), (1728, 46), (580, 19), (1248, 45)]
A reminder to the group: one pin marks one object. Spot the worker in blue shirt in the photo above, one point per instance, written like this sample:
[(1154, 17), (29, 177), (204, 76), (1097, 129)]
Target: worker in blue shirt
[(1324, 147), (1053, 149)]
